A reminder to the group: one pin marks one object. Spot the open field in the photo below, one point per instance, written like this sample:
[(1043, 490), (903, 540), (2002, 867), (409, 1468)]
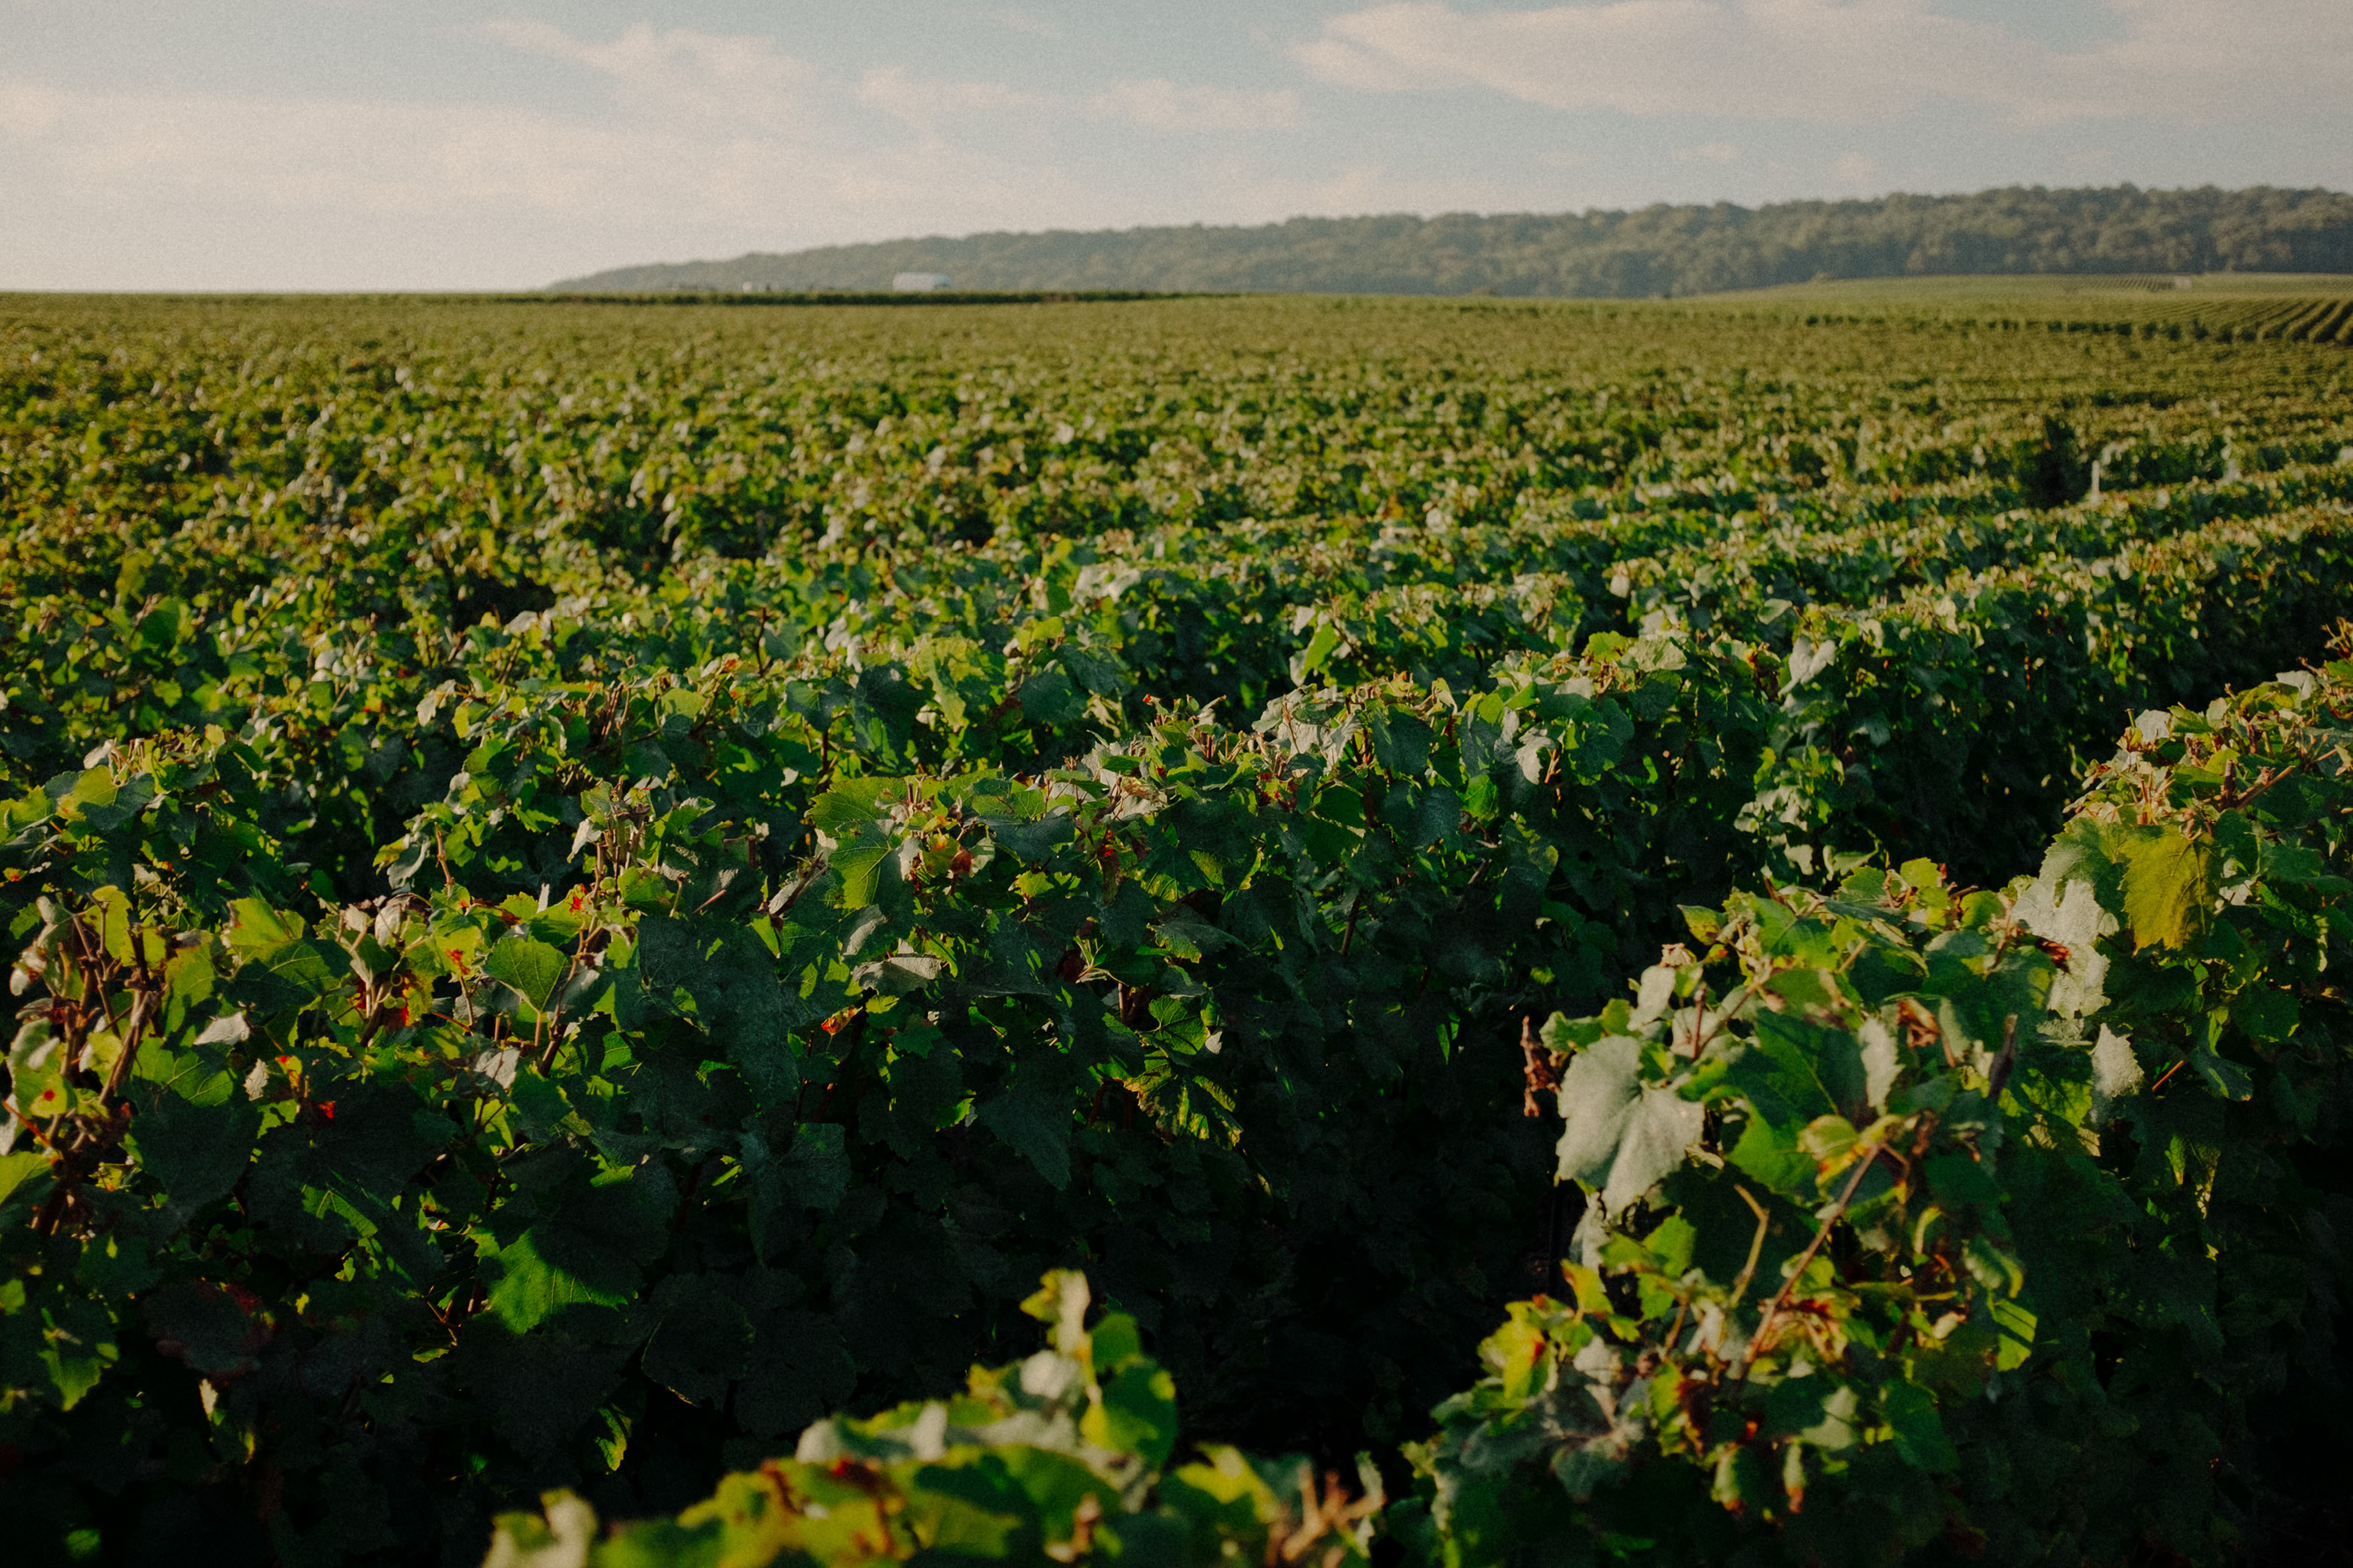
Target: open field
[(598, 882)]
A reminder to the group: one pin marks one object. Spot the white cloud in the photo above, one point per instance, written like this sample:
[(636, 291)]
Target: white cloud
[(1162, 105), (109, 191), (707, 143), (1851, 61), (1806, 59), (713, 146), (2228, 59), (922, 104), (681, 73), (294, 154)]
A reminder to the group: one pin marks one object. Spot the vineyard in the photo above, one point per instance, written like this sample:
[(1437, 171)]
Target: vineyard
[(2220, 309), (1677, 933)]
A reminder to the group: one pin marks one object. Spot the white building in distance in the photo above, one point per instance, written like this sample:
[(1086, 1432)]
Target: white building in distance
[(919, 282)]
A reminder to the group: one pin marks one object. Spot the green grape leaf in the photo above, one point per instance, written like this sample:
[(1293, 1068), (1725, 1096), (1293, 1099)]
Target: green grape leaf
[(1050, 698), (589, 1253), (1138, 1416), (1910, 1410), (2224, 1076), (18, 1168), (702, 1341), (1772, 1155), (2016, 1325), (194, 1152), (2166, 885), (539, 1388), (532, 968), (217, 1331), (1620, 1135), (1037, 1128), (544, 1270), (817, 1167), (1319, 648)]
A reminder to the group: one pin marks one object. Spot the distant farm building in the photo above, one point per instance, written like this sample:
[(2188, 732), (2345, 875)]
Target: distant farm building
[(920, 282)]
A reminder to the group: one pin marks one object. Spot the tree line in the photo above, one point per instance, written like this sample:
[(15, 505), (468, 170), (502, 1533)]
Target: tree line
[(1653, 250)]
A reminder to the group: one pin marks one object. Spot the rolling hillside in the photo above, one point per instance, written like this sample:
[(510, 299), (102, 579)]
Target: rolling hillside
[(1656, 250)]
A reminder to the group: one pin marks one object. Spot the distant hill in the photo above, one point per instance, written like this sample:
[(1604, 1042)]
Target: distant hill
[(1660, 250)]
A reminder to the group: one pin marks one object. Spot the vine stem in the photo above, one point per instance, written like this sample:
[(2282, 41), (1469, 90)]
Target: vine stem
[(145, 1001), (1701, 1030), (1781, 1298), (1756, 1244), (133, 1030)]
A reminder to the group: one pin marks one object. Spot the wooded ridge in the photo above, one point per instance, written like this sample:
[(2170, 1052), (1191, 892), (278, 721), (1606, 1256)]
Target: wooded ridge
[(1659, 249)]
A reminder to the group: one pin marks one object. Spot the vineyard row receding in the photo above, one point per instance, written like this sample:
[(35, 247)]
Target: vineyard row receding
[(591, 885)]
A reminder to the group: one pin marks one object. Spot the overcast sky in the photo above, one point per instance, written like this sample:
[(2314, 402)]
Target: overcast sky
[(500, 144)]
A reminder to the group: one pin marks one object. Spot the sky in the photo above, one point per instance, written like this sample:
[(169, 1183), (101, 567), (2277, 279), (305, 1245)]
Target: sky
[(396, 144)]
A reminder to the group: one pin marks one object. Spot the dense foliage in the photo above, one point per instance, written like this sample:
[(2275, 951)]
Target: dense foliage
[(2049, 1179), (591, 885), (1656, 250), (1920, 1223)]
